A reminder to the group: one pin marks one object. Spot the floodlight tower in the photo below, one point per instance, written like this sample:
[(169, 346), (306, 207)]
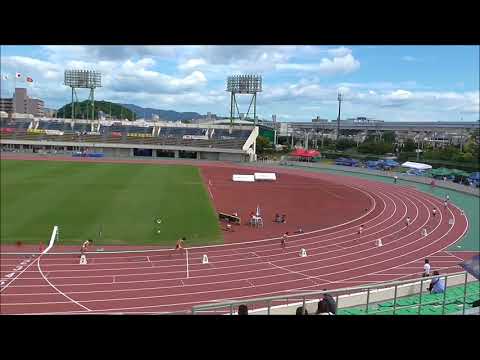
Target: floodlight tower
[(243, 85), (83, 79), (339, 98)]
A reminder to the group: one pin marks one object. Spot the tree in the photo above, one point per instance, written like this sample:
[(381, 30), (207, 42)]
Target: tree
[(389, 137), (409, 146), (84, 110), (343, 144), (262, 143)]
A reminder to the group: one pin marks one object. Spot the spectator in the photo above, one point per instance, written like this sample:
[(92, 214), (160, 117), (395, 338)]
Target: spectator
[(426, 268), (323, 308), (332, 305), (278, 218), (243, 310), (437, 285), (301, 311)]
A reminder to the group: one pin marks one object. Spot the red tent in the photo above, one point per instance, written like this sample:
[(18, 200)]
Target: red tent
[(305, 153), (298, 152)]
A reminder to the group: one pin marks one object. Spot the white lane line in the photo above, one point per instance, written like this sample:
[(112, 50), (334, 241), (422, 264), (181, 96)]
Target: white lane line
[(186, 255), (312, 278), (59, 291), (459, 258), (20, 273)]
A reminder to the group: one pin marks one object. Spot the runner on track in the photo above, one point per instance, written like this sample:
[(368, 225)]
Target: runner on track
[(360, 230), (85, 245), (407, 222), (445, 204), (180, 243), (434, 212), (284, 240)]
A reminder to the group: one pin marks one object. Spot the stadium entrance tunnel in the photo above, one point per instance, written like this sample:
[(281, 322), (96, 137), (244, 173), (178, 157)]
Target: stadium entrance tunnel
[(187, 154), (142, 152), (165, 153)]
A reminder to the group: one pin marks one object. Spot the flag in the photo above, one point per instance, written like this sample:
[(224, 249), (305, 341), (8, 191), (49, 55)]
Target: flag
[(29, 79), (258, 210), (18, 75)]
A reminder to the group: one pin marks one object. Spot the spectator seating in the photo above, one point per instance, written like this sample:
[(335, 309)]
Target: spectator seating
[(431, 303)]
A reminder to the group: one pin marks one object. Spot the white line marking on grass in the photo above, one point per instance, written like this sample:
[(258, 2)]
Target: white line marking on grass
[(59, 291)]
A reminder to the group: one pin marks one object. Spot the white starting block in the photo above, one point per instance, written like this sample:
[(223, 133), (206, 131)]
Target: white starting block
[(83, 260), (265, 176), (303, 252), (424, 232), (378, 242), (205, 259), (243, 178), (450, 221)]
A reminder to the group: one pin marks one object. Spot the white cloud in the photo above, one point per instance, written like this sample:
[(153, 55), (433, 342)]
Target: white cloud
[(192, 78), (192, 63), (339, 52), (398, 95), (108, 52), (338, 65), (409, 58)]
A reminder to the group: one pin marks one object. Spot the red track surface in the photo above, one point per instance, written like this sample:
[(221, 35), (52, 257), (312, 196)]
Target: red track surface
[(154, 281)]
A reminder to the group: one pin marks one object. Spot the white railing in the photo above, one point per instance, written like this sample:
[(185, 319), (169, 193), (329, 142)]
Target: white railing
[(345, 297)]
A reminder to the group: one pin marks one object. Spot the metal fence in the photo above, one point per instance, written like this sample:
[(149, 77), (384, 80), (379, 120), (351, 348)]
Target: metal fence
[(346, 297)]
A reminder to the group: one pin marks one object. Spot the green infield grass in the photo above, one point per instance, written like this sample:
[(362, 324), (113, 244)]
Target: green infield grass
[(117, 204)]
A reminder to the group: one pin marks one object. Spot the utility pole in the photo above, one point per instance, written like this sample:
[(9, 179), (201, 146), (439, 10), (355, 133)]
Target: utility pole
[(339, 98)]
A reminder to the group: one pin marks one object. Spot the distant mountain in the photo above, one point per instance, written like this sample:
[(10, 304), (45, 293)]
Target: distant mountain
[(166, 115)]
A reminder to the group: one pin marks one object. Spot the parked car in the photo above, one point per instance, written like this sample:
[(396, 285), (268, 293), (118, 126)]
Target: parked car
[(346, 162), (415, 172), (376, 165), (389, 164)]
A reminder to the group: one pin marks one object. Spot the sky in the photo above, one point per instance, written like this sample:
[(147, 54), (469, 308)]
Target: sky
[(391, 83)]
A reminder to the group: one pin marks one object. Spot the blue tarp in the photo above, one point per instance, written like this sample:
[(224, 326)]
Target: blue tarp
[(83, 154), (475, 176), (346, 162), (472, 266)]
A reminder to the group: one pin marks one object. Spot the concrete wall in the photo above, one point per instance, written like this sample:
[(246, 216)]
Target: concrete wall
[(209, 156), (230, 157)]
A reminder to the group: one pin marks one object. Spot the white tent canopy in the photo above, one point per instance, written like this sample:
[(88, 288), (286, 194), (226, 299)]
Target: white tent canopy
[(418, 166)]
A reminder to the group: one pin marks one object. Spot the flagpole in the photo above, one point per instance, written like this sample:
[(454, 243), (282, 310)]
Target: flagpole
[(13, 96)]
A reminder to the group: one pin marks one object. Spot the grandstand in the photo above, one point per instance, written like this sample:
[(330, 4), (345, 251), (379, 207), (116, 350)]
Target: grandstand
[(125, 139)]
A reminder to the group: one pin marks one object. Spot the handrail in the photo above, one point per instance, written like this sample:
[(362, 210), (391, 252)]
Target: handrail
[(314, 293)]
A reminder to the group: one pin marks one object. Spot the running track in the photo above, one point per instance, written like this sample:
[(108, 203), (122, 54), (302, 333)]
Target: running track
[(154, 281)]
